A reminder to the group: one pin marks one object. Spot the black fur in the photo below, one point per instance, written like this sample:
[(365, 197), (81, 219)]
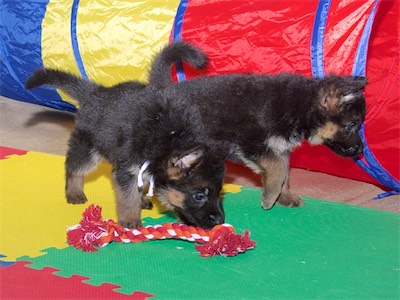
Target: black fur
[(259, 119), (128, 124), (159, 73)]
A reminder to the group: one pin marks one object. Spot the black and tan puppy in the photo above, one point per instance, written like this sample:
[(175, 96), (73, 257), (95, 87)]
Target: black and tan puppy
[(260, 119), (146, 137)]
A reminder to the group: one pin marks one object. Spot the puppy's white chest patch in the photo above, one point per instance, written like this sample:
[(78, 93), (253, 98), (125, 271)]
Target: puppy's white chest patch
[(280, 144)]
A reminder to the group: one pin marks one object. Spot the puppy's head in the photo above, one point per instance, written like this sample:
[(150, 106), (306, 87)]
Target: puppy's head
[(190, 183), (340, 113)]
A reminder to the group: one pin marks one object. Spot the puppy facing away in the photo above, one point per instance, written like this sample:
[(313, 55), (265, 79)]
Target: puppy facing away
[(146, 137), (260, 119)]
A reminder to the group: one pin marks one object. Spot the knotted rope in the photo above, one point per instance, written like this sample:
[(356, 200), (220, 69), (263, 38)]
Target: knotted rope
[(93, 231)]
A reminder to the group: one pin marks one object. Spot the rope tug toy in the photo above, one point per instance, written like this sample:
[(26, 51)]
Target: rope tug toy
[(94, 231)]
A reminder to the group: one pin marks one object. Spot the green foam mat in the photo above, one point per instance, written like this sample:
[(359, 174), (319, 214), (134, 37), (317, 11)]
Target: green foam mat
[(323, 250)]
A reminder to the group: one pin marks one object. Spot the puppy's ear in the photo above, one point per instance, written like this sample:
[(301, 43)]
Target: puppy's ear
[(179, 165), (357, 83), (329, 101), (353, 85), (189, 159), (342, 90)]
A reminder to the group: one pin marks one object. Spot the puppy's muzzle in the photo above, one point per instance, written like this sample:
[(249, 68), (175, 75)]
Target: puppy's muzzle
[(346, 151), (354, 150), (204, 220), (216, 219), (211, 221)]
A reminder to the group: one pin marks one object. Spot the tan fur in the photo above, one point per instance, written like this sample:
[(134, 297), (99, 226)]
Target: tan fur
[(280, 145), (174, 173), (74, 189), (324, 133), (274, 174), (129, 205), (273, 164), (177, 165), (250, 164), (275, 178), (172, 198), (94, 160), (176, 198), (74, 180), (329, 99)]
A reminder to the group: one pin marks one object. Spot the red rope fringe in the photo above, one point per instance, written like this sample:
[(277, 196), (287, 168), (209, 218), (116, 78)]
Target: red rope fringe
[(93, 232)]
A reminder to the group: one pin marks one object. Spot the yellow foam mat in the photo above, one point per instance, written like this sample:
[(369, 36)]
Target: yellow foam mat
[(33, 206)]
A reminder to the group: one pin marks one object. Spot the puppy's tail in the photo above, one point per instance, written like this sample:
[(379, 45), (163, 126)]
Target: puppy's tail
[(160, 74), (76, 87)]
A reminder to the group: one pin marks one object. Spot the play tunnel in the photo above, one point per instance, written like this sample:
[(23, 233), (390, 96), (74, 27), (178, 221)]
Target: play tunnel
[(112, 43)]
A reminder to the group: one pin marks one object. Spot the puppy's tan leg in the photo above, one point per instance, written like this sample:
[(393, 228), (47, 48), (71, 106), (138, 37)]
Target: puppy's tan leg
[(129, 199), (81, 159), (74, 188), (274, 173), (286, 198)]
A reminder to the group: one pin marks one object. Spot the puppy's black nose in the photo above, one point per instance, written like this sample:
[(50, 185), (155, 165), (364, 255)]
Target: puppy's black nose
[(217, 219), (355, 150)]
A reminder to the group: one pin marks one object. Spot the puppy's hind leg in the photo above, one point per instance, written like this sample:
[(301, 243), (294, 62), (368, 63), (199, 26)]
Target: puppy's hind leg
[(129, 198), (286, 198), (81, 159)]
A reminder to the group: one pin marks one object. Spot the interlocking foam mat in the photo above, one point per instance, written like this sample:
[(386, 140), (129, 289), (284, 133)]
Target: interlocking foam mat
[(323, 250)]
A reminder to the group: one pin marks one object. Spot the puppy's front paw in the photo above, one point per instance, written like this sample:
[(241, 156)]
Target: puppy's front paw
[(76, 198), (267, 202), (290, 200), (267, 205), (131, 224)]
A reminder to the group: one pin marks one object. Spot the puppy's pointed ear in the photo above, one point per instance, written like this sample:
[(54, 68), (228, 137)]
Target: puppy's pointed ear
[(189, 159), (179, 165), (358, 83), (353, 85), (342, 90)]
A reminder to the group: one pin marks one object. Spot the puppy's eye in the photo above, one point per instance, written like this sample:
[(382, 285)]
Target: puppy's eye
[(200, 197), (350, 127)]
